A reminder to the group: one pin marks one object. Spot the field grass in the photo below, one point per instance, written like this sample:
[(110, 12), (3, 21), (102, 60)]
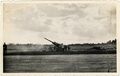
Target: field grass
[(80, 58), (60, 63)]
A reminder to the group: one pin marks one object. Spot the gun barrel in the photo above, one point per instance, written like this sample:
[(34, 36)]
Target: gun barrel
[(48, 39), (55, 43)]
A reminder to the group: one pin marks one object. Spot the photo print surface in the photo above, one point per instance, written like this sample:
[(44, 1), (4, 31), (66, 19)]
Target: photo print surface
[(59, 37)]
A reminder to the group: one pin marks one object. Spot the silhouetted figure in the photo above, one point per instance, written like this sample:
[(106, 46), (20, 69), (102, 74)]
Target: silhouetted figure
[(4, 48)]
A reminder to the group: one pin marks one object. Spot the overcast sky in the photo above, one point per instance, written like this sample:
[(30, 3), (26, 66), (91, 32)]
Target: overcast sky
[(60, 22)]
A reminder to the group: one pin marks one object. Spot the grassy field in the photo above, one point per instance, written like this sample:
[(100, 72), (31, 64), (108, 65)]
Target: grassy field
[(80, 58), (60, 63)]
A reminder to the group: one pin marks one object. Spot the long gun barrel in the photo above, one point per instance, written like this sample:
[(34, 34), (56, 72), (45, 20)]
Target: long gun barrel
[(48, 40), (55, 43)]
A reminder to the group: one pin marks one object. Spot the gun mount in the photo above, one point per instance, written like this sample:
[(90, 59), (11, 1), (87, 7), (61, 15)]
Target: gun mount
[(58, 46)]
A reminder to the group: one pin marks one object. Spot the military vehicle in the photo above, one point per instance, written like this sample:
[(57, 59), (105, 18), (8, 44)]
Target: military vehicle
[(58, 47)]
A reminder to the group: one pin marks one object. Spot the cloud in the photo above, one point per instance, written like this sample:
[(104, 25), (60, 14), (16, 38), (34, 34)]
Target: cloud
[(61, 10), (62, 22)]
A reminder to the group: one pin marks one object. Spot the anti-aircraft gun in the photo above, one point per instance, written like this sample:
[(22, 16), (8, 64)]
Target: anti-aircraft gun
[(58, 46)]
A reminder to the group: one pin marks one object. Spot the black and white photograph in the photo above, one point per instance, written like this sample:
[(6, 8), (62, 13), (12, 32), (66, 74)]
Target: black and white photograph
[(59, 37)]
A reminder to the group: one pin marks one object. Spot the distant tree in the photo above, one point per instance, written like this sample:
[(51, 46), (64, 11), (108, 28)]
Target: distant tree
[(111, 42), (11, 44), (114, 41)]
